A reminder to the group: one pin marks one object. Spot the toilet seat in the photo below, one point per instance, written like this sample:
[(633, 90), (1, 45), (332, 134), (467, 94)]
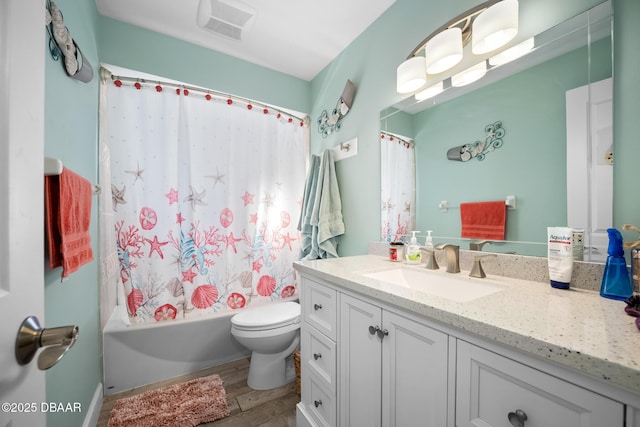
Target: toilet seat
[(269, 316)]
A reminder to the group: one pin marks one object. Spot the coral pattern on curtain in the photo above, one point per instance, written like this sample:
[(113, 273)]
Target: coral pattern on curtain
[(397, 188), (205, 193)]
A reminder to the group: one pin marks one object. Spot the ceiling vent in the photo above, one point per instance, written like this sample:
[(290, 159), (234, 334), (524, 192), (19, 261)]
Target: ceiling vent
[(227, 18)]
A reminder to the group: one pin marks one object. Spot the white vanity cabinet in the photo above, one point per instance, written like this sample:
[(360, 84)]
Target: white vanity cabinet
[(493, 391), (393, 370), (371, 363)]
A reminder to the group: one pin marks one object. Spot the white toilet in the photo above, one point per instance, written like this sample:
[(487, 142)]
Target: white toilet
[(272, 333)]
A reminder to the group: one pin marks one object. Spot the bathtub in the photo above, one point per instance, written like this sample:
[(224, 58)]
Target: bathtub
[(137, 355)]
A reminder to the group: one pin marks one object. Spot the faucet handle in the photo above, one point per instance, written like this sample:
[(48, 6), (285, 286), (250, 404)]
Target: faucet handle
[(477, 270), (477, 245), (431, 264)]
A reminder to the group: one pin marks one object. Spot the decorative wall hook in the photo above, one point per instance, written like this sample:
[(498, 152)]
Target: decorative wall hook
[(494, 133), (330, 123)]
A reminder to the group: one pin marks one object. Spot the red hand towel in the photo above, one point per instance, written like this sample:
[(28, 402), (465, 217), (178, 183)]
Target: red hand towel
[(484, 220), (68, 205)]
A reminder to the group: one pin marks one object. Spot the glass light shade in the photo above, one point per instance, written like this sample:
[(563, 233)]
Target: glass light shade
[(429, 92), (444, 50), (495, 27), (469, 75), (512, 53), (411, 75)]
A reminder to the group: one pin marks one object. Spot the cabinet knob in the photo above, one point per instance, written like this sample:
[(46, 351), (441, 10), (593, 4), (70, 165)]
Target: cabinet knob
[(517, 418), (317, 307), (373, 330), (317, 356), (382, 333), (317, 402)]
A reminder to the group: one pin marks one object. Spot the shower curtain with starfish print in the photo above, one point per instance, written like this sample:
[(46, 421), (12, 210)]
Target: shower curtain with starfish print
[(205, 193), (398, 187)]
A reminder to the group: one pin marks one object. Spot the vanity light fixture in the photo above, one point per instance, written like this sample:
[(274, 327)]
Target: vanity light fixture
[(488, 27), (469, 75), (512, 53), (443, 51), (411, 75), (495, 27), (429, 92)]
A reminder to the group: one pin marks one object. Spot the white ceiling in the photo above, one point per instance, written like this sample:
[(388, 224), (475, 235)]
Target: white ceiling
[(295, 37)]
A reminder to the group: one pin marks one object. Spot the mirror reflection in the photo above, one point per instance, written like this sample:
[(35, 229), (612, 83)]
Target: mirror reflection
[(555, 182)]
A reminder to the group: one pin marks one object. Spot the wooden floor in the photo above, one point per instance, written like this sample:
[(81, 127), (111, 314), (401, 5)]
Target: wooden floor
[(249, 408)]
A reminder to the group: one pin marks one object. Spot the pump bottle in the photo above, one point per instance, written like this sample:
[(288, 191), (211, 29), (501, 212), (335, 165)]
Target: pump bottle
[(615, 282), (413, 254)]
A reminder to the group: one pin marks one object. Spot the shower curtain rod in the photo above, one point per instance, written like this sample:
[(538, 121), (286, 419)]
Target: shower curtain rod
[(106, 74)]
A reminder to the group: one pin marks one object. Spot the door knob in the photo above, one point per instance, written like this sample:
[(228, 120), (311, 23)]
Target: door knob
[(517, 418), (31, 336)]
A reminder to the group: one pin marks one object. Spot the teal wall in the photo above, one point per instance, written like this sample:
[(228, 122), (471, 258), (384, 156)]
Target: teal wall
[(371, 61), (150, 52), (71, 128), (531, 107)]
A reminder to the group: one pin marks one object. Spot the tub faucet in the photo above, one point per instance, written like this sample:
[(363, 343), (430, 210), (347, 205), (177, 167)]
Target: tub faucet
[(452, 253), (477, 246)]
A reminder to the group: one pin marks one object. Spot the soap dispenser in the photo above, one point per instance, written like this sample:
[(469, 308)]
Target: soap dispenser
[(413, 254), (615, 282), (428, 243)]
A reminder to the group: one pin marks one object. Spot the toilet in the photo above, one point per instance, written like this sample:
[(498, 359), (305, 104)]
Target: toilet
[(272, 333)]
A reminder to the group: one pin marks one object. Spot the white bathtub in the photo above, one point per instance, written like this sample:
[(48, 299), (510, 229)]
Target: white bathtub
[(137, 355)]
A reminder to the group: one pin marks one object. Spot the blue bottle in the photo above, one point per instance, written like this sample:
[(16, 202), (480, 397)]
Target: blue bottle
[(615, 282)]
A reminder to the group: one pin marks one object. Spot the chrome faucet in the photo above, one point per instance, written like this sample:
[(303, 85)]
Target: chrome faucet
[(477, 246), (452, 253), (431, 263)]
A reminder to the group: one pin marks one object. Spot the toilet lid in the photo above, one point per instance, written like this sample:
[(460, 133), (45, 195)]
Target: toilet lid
[(268, 316)]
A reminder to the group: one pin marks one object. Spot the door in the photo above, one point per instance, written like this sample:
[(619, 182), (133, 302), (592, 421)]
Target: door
[(590, 164), (359, 368), (22, 388), (414, 373)]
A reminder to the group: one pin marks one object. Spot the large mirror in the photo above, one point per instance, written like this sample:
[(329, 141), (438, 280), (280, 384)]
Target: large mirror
[(555, 181)]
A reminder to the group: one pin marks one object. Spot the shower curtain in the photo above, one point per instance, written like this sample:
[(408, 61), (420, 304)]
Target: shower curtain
[(397, 188), (204, 191)]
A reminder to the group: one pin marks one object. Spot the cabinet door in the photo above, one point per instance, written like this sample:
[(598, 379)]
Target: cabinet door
[(360, 362), (490, 387), (414, 373)]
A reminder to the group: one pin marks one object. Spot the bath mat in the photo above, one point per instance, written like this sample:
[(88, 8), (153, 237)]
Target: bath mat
[(186, 404)]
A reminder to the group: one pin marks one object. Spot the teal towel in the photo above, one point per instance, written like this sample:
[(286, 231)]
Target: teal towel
[(308, 198), (326, 217)]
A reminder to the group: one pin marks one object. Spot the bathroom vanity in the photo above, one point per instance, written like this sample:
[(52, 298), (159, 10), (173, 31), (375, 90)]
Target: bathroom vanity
[(388, 344)]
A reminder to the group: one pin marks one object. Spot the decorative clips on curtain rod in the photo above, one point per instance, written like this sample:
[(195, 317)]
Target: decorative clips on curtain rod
[(105, 74), (54, 167)]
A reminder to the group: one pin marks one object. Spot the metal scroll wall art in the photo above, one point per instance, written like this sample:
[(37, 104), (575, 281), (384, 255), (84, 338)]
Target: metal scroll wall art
[(328, 123), (61, 44), (494, 133)]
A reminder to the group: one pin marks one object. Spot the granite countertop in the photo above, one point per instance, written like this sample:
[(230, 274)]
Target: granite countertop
[(575, 328)]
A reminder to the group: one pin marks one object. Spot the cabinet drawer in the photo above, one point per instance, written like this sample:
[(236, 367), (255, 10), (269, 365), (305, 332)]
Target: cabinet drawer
[(319, 307), (319, 402), (319, 355), (490, 387)]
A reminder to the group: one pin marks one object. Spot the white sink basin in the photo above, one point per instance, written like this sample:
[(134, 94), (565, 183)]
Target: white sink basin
[(456, 287)]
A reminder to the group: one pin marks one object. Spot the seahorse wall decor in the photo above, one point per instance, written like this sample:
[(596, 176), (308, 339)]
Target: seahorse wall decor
[(494, 133)]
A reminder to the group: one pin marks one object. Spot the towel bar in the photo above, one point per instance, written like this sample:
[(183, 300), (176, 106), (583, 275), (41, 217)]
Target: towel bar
[(510, 201)]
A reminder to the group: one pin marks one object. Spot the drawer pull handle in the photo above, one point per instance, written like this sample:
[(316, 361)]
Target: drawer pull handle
[(317, 403), (517, 418), (317, 307), (317, 356)]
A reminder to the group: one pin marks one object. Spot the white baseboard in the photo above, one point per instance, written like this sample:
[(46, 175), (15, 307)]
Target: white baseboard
[(93, 413)]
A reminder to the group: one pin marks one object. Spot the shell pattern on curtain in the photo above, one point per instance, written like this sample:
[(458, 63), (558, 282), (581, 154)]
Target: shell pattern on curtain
[(397, 187), (205, 195)]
